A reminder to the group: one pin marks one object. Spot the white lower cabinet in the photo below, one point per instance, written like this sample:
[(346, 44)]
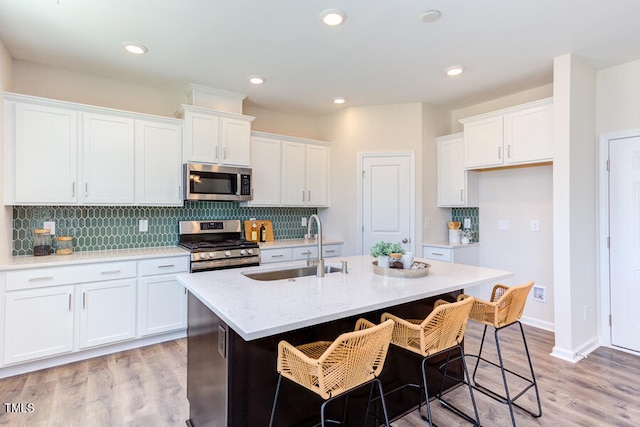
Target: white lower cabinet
[(294, 253), (53, 311), (38, 323), (462, 254), (107, 312), (162, 300)]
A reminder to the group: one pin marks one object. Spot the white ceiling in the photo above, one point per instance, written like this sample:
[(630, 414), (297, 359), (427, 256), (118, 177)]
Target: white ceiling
[(383, 53)]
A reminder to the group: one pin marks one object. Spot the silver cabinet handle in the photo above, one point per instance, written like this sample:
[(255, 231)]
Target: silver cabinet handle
[(509, 151), (224, 152), (329, 251), (215, 153), (110, 272), (303, 195), (277, 256), (461, 195), (86, 189), (499, 153), (166, 266), (35, 279), (84, 300), (437, 253), (306, 253), (73, 189), (69, 302), (309, 194)]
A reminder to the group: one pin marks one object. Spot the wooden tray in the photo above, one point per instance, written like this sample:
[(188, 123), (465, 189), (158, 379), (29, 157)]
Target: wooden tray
[(268, 224), (401, 273)]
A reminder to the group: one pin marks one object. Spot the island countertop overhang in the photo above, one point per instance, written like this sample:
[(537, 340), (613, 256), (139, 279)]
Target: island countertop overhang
[(258, 309)]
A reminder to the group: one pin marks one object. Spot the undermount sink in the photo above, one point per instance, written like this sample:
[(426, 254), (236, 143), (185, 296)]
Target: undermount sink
[(289, 273)]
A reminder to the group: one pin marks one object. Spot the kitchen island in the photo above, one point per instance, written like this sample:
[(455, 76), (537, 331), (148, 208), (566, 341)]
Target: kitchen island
[(235, 324)]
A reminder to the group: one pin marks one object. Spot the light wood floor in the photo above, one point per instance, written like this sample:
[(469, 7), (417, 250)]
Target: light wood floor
[(147, 387)]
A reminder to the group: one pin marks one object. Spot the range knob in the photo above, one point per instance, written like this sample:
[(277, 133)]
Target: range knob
[(212, 254), (204, 255), (227, 253), (243, 252), (250, 251)]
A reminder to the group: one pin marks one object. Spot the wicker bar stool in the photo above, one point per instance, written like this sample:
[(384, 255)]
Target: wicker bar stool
[(331, 369), (505, 309), (441, 332)]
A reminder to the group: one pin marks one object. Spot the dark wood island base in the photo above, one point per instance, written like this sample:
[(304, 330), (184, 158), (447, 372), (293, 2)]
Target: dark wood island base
[(231, 382)]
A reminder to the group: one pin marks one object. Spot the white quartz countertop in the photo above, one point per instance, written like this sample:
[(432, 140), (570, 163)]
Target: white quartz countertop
[(258, 309), (85, 257), (294, 243)]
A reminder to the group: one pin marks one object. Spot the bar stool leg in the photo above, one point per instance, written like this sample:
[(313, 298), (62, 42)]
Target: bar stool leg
[(275, 401), (504, 378), (479, 357), (426, 394), (533, 375)]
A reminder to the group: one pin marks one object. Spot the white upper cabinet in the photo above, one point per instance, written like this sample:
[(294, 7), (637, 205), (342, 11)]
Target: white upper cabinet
[(216, 137), (289, 171), (158, 163), (518, 135), (108, 160), (266, 170), (305, 174), (61, 153), (456, 186), (41, 163)]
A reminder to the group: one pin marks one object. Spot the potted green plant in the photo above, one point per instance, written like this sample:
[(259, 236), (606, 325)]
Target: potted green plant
[(382, 250)]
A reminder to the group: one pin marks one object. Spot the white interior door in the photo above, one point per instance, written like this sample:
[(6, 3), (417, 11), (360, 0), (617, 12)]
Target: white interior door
[(624, 248), (387, 205)]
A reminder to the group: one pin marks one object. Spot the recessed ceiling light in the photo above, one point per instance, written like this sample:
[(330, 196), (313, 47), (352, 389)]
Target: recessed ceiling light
[(431, 16), (135, 48), (456, 70), (339, 100), (257, 80), (333, 17)]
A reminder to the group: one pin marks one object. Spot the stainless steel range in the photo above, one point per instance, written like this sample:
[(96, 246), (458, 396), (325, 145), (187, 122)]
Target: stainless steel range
[(217, 244)]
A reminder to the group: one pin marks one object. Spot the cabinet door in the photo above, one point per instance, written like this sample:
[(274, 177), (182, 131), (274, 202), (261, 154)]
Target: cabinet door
[(201, 137), (235, 142), (483, 140), (266, 169), (317, 179), (293, 173), (108, 159), (528, 135), (158, 164), (46, 163), (451, 173), (107, 312), (38, 323), (162, 305)]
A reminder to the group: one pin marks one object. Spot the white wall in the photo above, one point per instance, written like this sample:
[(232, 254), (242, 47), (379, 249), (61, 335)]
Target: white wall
[(281, 123), (574, 203), (66, 85), (6, 213), (391, 128), (519, 196)]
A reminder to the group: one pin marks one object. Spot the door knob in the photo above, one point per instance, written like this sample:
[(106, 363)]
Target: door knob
[(405, 240)]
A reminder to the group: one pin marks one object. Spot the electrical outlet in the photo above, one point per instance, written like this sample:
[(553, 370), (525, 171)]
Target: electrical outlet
[(467, 223), (427, 222), (51, 225), (539, 293), (535, 225), (303, 221), (143, 226)]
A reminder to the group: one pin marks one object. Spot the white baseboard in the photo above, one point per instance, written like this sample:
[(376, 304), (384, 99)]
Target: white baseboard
[(9, 371), (577, 354), (536, 323)]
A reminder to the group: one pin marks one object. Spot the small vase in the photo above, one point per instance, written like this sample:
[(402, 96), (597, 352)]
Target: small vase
[(383, 261), (464, 240)]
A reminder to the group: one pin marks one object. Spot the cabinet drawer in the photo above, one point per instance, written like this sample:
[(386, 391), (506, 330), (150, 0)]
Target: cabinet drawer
[(440, 254), (275, 255), (55, 276), (151, 267), (305, 252), (329, 251)]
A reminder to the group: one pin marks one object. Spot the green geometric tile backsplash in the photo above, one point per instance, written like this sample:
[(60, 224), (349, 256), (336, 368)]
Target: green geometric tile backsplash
[(116, 227), (459, 214)]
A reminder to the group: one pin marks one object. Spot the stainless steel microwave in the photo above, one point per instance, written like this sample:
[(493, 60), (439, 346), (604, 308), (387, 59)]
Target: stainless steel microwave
[(203, 181)]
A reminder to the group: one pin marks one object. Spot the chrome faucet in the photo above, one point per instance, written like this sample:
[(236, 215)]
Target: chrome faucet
[(320, 266)]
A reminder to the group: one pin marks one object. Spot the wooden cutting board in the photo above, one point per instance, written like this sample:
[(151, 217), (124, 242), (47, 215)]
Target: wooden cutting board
[(268, 224)]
